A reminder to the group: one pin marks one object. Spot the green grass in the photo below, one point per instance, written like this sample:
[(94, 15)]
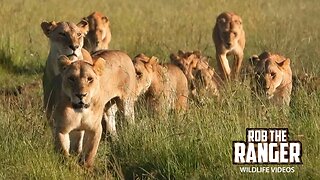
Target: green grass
[(197, 145)]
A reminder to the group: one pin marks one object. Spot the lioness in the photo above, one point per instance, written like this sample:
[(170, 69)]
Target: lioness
[(277, 76), (229, 39), (99, 35), (98, 38), (65, 38), (198, 71), (81, 93), (165, 87), (124, 78)]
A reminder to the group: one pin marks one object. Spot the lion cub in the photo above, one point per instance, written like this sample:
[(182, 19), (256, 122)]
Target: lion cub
[(198, 72), (99, 35), (274, 73), (229, 39), (165, 86)]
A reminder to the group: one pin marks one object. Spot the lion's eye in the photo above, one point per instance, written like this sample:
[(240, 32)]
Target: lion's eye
[(90, 79), (71, 79), (62, 34), (235, 34), (273, 75), (139, 74), (79, 34)]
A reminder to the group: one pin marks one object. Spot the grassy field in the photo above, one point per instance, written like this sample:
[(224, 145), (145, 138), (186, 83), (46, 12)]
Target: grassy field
[(197, 145)]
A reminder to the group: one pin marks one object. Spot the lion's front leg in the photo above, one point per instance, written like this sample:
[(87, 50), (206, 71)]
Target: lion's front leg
[(76, 141), (62, 143), (126, 106), (223, 66), (90, 146), (238, 58), (110, 118)]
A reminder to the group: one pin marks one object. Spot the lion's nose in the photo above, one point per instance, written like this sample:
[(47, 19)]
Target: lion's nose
[(74, 47), (228, 44), (81, 96)]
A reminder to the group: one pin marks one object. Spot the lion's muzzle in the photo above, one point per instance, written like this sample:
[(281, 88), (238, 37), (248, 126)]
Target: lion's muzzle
[(80, 105)]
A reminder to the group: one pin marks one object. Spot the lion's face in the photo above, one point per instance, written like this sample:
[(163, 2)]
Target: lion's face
[(274, 75), (144, 67), (204, 69), (257, 64), (230, 29), (193, 64), (80, 81), (65, 36), (187, 61), (99, 35)]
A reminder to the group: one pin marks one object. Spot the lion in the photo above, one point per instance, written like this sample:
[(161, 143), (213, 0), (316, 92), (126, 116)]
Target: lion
[(82, 92), (198, 72), (256, 70), (99, 35), (229, 39), (66, 38), (274, 73), (126, 72), (98, 38), (165, 86)]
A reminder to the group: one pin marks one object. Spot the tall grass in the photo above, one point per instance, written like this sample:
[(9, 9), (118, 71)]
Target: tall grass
[(197, 145)]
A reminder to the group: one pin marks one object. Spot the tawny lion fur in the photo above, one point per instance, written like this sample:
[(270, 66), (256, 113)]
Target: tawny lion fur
[(198, 72), (165, 86), (274, 73), (82, 92), (229, 39), (99, 35), (65, 38)]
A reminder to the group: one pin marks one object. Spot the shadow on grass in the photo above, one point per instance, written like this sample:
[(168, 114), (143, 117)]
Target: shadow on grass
[(6, 62)]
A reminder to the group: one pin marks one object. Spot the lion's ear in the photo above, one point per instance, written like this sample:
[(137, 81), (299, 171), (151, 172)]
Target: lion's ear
[(48, 27), (197, 53), (181, 53), (254, 59), (284, 63), (142, 57), (174, 57), (287, 62), (238, 21), (222, 20), (151, 63), (63, 62), (105, 19), (264, 55), (84, 26), (99, 66), (153, 60), (85, 19)]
